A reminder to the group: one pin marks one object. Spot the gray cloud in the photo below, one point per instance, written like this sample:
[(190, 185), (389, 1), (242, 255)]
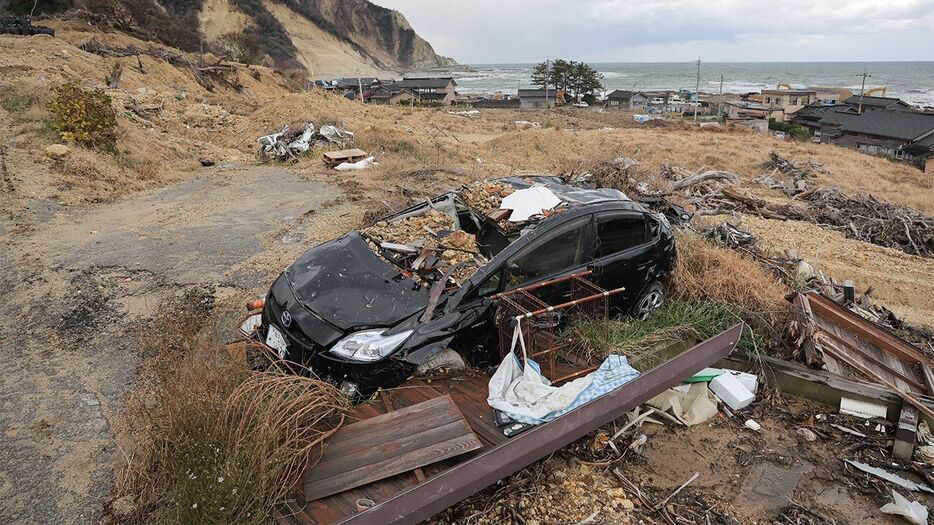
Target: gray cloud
[(484, 31)]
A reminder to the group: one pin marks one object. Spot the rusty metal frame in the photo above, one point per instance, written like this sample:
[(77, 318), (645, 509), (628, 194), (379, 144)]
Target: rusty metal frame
[(461, 481)]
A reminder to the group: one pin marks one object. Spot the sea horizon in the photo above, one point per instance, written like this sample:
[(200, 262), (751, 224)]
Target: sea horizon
[(910, 80)]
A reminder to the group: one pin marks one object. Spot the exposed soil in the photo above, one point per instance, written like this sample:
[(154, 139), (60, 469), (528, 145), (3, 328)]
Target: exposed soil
[(80, 283), (744, 477)]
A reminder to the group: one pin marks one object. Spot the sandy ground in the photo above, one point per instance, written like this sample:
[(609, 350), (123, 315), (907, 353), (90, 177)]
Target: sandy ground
[(80, 281)]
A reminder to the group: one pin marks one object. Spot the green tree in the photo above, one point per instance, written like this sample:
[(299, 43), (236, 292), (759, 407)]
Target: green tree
[(540, 75), (584, 80), (561, 72)]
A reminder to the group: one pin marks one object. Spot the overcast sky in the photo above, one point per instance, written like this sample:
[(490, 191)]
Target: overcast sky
[(502, 31)]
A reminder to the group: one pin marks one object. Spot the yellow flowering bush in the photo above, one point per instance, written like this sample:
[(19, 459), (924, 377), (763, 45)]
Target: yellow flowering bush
[(83, 116)]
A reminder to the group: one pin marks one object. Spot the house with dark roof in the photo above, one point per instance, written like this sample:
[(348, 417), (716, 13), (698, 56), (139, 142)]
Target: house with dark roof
[(877, 103), (492, 103), (904, 135), (354, 83), (622, 99), (438, 90), (391, 93), (537, 98)]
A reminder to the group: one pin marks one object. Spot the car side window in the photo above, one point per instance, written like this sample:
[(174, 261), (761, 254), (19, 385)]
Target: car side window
[(488, 287), (561, 252), (617, 234)]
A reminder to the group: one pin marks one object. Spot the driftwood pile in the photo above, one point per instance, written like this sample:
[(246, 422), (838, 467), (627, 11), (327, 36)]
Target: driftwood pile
[(791, 176), (205, 75), (866, 218)]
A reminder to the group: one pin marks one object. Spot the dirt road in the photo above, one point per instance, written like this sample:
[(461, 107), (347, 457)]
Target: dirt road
[(76, 281)]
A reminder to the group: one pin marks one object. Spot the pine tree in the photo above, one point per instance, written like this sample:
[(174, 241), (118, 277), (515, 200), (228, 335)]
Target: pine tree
[(540, 75)]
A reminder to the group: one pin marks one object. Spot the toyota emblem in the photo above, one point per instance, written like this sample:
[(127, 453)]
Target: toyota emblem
[(286, 319)]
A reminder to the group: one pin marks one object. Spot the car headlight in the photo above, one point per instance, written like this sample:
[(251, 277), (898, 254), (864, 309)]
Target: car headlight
[(369, 345)]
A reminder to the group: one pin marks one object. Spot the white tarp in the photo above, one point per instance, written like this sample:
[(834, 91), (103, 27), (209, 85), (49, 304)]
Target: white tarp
[(526, 396), (359, 165), (528, 202)]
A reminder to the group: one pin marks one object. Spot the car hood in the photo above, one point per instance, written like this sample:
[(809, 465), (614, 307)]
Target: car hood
[(344, 283)]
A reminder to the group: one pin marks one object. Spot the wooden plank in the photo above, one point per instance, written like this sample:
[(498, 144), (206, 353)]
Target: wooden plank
[(829, 346), (865, 330), (387, 403), (886, 362), (390, 444), (344, 155), (387, 421)]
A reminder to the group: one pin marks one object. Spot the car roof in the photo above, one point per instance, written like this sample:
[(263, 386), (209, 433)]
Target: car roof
[(571, 195)]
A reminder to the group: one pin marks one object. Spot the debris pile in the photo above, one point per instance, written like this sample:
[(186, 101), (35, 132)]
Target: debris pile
[(866, 218), (288, 144), (485, 198), (22, 25), (790, 176), (426, 246)]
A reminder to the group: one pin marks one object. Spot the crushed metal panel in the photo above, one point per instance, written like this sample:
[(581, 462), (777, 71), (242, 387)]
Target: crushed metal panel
[(451, 486)]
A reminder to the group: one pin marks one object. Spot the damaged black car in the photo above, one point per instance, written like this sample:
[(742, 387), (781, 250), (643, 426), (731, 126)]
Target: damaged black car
[(413, 291)]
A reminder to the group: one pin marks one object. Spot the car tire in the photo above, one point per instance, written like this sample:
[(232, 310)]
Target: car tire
[(652, 299), (446, 358)]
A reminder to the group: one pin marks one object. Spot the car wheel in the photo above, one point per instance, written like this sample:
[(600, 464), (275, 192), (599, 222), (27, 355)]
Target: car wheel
[(446, 358), (652, 299)]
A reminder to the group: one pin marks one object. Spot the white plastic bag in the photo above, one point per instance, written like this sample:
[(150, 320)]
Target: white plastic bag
[(913, 511)]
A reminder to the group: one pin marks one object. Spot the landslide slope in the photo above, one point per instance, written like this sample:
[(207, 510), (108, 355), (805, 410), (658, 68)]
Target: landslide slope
[(327, 38)]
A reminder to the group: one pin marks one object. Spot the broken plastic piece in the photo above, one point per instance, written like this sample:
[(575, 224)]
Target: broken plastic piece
[(863, 409), (906, 484), (528, 202), (704, 375), (752, 425), (912, 510)]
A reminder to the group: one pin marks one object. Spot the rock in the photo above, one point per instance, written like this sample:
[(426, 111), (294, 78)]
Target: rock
[(124, 506), (207, 163), (57, 151), (804, 271), (627, 504), (806, 434)]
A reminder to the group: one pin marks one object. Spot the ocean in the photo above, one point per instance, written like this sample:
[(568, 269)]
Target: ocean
[(911, 81)]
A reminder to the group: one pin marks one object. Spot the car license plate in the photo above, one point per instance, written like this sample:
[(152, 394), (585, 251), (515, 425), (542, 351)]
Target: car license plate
[(276, 341)]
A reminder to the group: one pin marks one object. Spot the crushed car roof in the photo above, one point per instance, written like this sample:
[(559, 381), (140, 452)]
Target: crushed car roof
[(569, 194)]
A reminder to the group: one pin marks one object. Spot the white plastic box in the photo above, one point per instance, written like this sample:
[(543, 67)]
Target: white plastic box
[(731, 391), (750, 381)]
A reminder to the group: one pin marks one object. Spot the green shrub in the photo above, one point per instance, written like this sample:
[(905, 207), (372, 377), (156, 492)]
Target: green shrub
[(83, 116), (794, 130)]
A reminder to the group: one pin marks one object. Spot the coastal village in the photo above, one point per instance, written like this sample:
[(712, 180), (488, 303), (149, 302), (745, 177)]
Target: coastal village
[(866, 122), (237, 292)]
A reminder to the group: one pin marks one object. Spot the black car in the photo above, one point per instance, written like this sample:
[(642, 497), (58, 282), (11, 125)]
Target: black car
[(354, 309)]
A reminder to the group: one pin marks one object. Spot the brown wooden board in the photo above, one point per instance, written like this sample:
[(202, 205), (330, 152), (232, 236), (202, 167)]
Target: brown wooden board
[(390, 444), (333, 158)]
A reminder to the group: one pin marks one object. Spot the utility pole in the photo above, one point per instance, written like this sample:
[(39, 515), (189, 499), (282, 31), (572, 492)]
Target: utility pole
[(696, 90), (720, 98), (862, 90), (360, 85), (547, 68)]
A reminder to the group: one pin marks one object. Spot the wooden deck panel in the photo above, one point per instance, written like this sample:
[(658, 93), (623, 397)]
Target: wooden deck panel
[(392, 443)]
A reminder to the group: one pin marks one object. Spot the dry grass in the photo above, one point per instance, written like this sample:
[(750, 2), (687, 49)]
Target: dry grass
[(214, 441), (709, 272)]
